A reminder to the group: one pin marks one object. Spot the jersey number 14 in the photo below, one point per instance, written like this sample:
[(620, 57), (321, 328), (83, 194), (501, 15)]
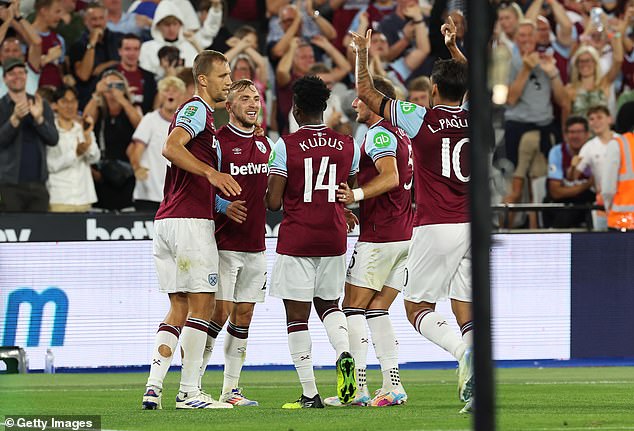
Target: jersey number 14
[(331, 187)]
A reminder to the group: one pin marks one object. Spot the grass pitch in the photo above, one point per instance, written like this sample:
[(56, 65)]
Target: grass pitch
[(527, 399)]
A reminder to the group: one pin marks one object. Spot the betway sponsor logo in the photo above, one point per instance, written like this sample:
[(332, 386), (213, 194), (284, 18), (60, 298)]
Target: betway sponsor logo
[(10, 235), (248, 169), (139, 230)]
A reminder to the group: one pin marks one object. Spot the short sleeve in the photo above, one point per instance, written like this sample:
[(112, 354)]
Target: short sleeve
[(277, 160), (380, 142), (585, 157), (270, 142), (143, 131), (192, 117), (355, 159), (408, 116), (555, 164)]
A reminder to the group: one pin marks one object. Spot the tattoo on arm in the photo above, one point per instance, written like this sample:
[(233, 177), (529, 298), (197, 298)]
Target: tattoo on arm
[(365, 88)]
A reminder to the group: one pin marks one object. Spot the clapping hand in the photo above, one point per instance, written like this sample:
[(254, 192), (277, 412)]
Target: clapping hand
[(36, 107)]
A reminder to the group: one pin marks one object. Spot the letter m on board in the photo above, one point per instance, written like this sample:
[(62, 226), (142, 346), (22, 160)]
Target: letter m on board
[(37, 301)]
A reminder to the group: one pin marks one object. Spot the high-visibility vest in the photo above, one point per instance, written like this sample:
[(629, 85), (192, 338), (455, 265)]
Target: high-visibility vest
[(621, 215)]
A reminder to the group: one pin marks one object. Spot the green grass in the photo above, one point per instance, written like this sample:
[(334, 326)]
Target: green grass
[(527, 399)]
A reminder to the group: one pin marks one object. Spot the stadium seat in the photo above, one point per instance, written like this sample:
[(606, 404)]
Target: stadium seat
[(15, 358)]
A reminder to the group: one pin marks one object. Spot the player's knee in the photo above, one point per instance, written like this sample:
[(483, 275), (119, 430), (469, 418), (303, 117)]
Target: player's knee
[(243, 317), (165, 351)]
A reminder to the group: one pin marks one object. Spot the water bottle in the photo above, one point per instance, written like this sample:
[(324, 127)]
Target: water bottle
[(49, 362)]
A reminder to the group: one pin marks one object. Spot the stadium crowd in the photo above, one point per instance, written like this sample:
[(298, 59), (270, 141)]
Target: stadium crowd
[(89, 88)]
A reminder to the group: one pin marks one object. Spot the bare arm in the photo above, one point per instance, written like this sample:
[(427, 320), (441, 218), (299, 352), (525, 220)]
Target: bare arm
[(283, 70), (558, 191), (382, 183), (517, 86), (617, 61), (342, 67), (416, 56), (564, 32), (273, 6), (365, 86), (262, 64), (174, 150), (275, 192), (282, 45), (131, 111)]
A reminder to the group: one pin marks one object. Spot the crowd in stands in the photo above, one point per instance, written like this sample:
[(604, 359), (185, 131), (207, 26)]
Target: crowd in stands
[(89, 87)]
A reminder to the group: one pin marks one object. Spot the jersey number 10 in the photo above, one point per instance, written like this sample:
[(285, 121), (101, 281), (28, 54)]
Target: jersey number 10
[(321, 176), (450, 160)]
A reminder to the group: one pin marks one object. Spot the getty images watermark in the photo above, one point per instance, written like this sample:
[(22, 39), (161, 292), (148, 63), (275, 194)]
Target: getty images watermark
[(62, 422)]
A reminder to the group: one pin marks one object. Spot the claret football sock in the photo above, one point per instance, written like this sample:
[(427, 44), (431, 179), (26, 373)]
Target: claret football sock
[(165, 343), (235, 353), (434, 327), (337, 329), (300, 346), (193, 340)]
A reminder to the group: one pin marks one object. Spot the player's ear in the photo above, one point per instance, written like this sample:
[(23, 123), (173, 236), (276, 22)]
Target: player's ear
[(202, 80)]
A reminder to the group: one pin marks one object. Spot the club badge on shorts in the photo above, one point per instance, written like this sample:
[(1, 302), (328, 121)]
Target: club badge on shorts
[(213, 278)]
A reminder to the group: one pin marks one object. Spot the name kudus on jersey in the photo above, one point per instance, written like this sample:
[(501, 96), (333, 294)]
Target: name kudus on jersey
[(446, 123), (249, 169), (320, 141)]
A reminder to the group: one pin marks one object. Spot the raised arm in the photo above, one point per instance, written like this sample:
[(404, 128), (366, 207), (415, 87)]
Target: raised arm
[(341, 66), (283, 70), (376, 101), (448, 30), (564, 31)]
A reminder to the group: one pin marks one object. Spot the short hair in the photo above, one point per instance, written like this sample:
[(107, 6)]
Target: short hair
[(526, 21), (385, 86), (60, 92), (598, 108), (318, 68), (203, 5), (171, 82), (244, 30), (41, 4), (129, 36), (577, 119), (239, 85), (422, 83), (95, 5), (451, 78), (310, 95), (46, 92), (186, 76), (203, 63)]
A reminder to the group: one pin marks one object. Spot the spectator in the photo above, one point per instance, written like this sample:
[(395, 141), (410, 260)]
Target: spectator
[(11, 48), (187, 77), (560, 45), (419, 91), (16, 28), (369, 16), (142, 83), (343, 14), (398, 27), (96, 50), (296, 64), (71, 26), (588, 86), (561, 185), (534, 79), (247, 12), (244, 67), (118, 21), (26, 128), (293, 21), (334, 115), (508, 17), (436, 38), (147, 143), (48, 14), (167, 30), (592, 155), (70, 183), (116, 118)]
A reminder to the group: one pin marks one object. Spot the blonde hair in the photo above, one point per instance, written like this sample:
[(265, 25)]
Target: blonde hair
[(526, 21), (171, 82), (515, 8), (575, 79)]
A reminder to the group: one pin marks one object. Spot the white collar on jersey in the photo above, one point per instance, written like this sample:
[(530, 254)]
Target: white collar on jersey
[(240, 132), (449, 108), (196, 96), (313, 126), (375, 123)]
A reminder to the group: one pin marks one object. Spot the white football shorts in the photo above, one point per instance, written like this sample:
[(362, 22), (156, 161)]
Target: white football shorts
[(185, 255), (242, 276), (439, 263), (377, 264), (304, 278)]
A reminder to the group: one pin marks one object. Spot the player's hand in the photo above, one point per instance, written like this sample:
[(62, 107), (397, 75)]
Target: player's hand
[(225, 183), (351, 219), (359, 42), (237, 212), (344, 194), (448, 30)]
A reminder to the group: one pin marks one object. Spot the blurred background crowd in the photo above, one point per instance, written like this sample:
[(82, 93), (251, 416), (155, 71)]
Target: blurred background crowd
[(89, 88)]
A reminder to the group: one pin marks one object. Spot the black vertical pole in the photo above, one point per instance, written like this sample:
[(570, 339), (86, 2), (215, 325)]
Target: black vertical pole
[(479, 17)]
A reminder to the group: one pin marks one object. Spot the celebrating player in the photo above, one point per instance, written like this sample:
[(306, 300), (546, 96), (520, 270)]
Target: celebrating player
[(375, 274), (439, 259), (305, 169), (184, 245), (240, 243)]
